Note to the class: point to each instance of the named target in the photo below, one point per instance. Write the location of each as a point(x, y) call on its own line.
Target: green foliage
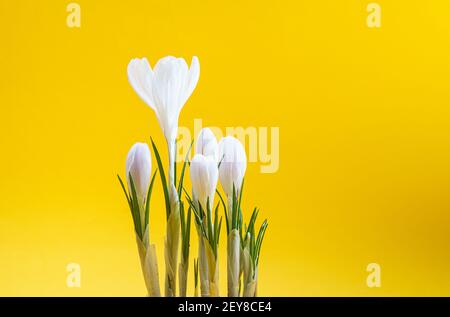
point(185, 230)
point(140, 225)
point(210, 228)
point(224, 205)
point(185, 219)
point(196, 273)
point(163, 179)
point(147, 201)
point(183, 169)
point(251, 239)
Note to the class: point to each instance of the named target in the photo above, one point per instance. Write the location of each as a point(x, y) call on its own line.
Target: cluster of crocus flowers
point(165, 89)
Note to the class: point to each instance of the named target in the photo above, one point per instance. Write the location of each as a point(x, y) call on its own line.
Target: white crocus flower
point(165, 89)
point(204, 176)
point(233, 163)
point(207, 144)
point(207, 150)
point(139, 166)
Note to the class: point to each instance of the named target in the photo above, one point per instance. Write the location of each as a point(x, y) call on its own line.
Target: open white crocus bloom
point(139, 166)
point(207, 144)
point(165, 89)
point(204, 176)
point(233, 163)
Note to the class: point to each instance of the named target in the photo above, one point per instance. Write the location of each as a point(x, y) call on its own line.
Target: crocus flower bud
point(207, 144)
point(204, 176)
point(139, 166)
point(233, 163)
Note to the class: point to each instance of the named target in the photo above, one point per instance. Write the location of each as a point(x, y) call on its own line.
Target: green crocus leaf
point(163, 179)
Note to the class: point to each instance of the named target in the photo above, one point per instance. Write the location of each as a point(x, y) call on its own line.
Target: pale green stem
point(149, 264)
point(203, 266)
point(233, 256)
point(173, 227)
point(171, 144)
point(183, 272)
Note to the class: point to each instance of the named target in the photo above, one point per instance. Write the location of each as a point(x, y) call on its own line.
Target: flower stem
point(250, 274)
point(149, 264)
point(171, 144)
point(203, 266)
point(183, 272)
point(173, 227)
point(233, 264)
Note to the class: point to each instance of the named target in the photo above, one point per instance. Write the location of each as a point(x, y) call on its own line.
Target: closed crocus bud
point(233, 163)
point(204, 176)
point(207, 144)
point(139, 166)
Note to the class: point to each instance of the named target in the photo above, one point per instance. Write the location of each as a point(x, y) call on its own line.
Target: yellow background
point(364, 138)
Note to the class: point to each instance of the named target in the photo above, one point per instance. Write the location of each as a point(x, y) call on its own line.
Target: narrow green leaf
point(147, 202)
point(233, 208)
point(188, 232)
point(220, 162)
point(136, 210)
point(240, 194)
point(251, 223)
point(196, 272)
point(240, 227)
point(190, 202)
point(252, 242)
point(186, 160)
point(187, 194)
point(216, 222)
point(163, 179)
point(130, 203)
point(225, 211)
point(261, 234)
point(197, 214)
point(182, 221)
point(124, 190)
point(209, 220)
point(202, 221)
point(175, 165)
point(218, 231)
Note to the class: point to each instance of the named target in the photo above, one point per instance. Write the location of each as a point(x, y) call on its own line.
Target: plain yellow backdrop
point(364, 118)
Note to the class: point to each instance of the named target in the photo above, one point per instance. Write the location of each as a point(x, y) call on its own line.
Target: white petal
point(140, 76)
point(166, 88)
point(233, 164)
point(207, 144)
point(139, 166)
point(204, 176)
point(192, 78)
